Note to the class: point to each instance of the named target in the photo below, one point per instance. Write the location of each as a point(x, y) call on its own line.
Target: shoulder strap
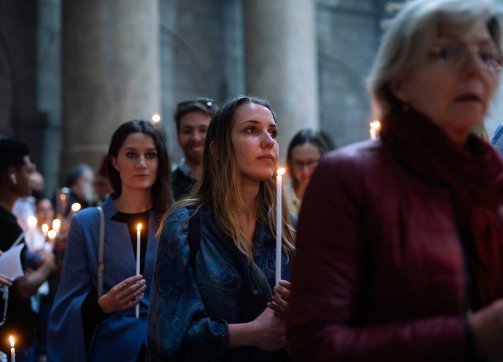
point(194, 237)
point(101, 247)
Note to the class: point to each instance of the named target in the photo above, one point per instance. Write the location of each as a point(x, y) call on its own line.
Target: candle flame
point(45, 228)
point(375, 124)
point(138, 226)
point(156, 118)
point(56, 224)
point(76, 207)
point(51, 234)
point(32, 221)
point(11, 340)
point(281, 171)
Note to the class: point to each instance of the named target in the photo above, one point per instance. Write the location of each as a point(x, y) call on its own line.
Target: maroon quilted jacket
point(379, 272)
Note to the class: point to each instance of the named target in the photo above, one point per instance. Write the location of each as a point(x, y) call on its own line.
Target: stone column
point(280, 53)
point(111, 72)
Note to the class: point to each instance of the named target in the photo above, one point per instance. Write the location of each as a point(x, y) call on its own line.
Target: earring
point(13, 178)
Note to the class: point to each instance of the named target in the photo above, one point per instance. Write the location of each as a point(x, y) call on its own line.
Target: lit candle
point(56, 225)
point(12, 349)
point(62, 201)
point(75, 207)
point(138, 256)
point(156, 118)
point(279, 221)
point(45, 229)
point(32, 224)
point(51, 234)
point(374, 129)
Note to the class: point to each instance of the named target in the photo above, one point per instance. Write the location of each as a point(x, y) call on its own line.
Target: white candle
point(374, 129)
point(56, 225)
point(45, 229)
point(12, 349)
point(30, 237)
point(279, 221)
point(138, 257)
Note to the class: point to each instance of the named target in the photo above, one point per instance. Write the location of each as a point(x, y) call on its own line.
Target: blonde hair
point(219, 186)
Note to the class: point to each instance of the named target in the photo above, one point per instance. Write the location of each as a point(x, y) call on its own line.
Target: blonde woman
point(215, 267)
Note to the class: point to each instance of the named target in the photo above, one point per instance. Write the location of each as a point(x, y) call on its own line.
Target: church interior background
point(72, 71)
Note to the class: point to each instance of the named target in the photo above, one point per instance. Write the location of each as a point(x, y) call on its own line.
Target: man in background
point(192, 119)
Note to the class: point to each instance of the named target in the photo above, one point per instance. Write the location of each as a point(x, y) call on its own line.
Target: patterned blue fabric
point(190, 309)
point(497, 139)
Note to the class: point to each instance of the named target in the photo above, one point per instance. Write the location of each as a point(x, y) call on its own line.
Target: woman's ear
point(398, 89)
point(113, 159)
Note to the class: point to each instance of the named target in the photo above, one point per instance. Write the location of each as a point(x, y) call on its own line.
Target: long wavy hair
point(161, 189)
point(219, 186)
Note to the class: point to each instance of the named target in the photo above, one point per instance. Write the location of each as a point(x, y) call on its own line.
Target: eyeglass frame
point(300, 165)
point(460, 59)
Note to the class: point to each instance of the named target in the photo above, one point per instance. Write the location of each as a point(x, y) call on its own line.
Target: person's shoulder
point(355, 155)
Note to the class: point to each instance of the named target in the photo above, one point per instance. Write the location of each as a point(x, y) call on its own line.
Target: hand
point(270, 331)
point(48, 260)
point(60, 242)
point(124, 295)
point(487, 328)
point(5, 281)
point(279, 301)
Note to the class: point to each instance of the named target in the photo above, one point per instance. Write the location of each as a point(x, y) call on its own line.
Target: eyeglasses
point(207, 103)
point(456, 55)
point(299, 165)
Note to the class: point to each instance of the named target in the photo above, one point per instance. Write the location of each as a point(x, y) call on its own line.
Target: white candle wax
point(279, 221)
point(138, 257)
point(12, 350)
point(374, 129)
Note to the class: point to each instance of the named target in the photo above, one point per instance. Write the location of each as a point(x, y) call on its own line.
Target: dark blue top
point(190, 307)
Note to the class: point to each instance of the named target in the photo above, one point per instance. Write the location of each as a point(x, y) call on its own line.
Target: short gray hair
point(411, 32)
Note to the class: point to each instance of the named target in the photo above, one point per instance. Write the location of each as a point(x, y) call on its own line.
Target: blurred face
point(192, 134)
point(102, 187)
point(304, 160)
point(22, 174)
point(254, 141)
point(137, 162)
point(44, 212)
point(454, 81)
point(84, 187)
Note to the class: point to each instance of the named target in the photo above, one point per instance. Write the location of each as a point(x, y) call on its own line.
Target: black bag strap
point(194, 237)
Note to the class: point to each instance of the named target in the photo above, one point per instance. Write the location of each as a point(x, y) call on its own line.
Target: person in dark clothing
point(19, 319)
point(192, 118)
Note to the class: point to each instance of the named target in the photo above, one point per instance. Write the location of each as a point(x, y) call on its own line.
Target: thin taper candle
point(12, 349)
point(279, 221)
point(138, 257)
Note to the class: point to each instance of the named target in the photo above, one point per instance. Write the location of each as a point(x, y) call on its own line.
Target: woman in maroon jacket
point(400, 240)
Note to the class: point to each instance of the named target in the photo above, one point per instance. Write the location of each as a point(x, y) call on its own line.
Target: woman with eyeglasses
point(400, 240)
point(303, 154)
point(215, 269)
point(104, 318)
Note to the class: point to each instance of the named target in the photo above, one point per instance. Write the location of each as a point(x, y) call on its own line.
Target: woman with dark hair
point(304, 152)
point(215, 269)
point(85, 325)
